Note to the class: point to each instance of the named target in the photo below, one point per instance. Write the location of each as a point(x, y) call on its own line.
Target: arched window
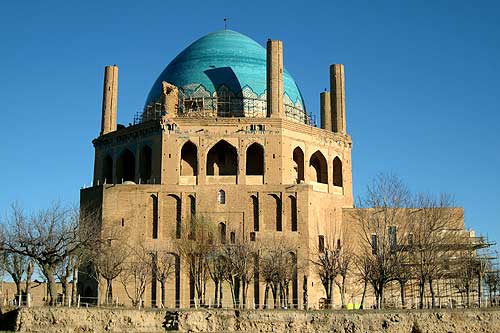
point(192, 206)
point(298, 164)
point(292, 202)
point(189, 159)
point(222, 232)
point(255, 160)
point(107, 170)
point(232, 237)
point(277, 212)
point(221, 197)
point(222, 160)
point(255, 211)
point(154, 201)
point(172, 203)
point(319, 166)
point(125, 167)
point(145, 164)
point(337, 172)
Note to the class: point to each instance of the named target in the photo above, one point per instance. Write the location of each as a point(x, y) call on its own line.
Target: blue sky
point(422, 85)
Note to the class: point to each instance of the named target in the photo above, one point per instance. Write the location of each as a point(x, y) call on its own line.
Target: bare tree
point(382, 212)
point(239, 258)
point(344, 263)
point(492, 279)
point(277, 269)
point(108, 260)
point(433, 225)
point(327, 267)
point(163, 268)
point(136, 272)
point(217, 267)
point(48, 236)
point(15, 265)
point(195, 247)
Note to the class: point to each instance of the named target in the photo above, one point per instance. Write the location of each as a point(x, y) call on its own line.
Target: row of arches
point(275, 216)
point(318, 166)
point(126, 164)
point(222, 160)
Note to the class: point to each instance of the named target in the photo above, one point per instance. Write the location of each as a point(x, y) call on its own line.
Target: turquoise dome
point(223, 58)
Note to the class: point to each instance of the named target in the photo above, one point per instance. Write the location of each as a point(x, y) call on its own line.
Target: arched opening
point(154, 201)
point(222, 160)
point(189, 159)
point(298, 164)
point(192, 206)
point(255, 212)
point(107, 170)
point(232, 237)
point(277, 212)
point(221, 197)
point(292, 202)
point(222, 233)
point(319, 165)
point(172, 203)
point(337, 172)
point(145, 164)
point(255, 160)
point(125, 167)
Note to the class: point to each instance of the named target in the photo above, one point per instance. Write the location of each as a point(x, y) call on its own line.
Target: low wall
point(45, 319)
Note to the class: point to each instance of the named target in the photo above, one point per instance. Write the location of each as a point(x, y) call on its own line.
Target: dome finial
point(225, 22)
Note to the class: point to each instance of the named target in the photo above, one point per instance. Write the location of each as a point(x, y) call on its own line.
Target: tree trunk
point(381, 295)
point(342, 292)
point(163, 293)
point(402, 285)
point(220, 294)
point(274, 291)
point(243, 295)
point(421, 289)
point(266, 296)
point(237, 291)
point(365, 285)
point(329, 295)
point(216, 298)
point(52, 287)
point(433, 295)
point(18, 290)
point(66, 292)
point(109, 291)
point(74, 285)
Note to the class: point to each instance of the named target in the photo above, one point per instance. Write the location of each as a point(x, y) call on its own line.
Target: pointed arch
point(155, 215)
point(189, 159)
point(318, 164)
point(292, 203)
point(222, 160)
point(276, 211)
point(255, 160)
point(125, 166)
point(337, 172)
point(222, 233)
point(254, 204)
point(221, 197)
point(107, 170)
point(145, 164)
point(298, 164)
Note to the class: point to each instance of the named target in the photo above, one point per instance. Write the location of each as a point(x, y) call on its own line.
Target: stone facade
point(262, 177)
